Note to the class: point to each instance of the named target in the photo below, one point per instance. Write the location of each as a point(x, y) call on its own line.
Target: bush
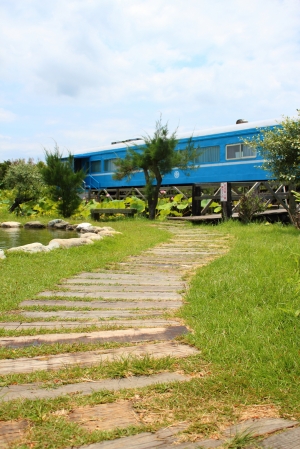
point(250, 204)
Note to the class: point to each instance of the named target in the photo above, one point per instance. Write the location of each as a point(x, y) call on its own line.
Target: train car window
point(208, 154)
point(239, 151)
point(95, 166)
point(248, 151)
point(109, 165)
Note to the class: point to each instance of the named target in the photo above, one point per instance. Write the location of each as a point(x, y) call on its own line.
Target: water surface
point(11, 237)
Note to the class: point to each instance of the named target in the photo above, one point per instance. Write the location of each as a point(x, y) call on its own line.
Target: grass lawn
point(23, 275)
point(243, 312)
point(244, 309)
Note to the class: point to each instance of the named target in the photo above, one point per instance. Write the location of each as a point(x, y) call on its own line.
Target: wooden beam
point(254, 187)
point(215, 196)
point(267, 186)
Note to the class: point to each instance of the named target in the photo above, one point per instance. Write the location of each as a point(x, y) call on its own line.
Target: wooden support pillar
point(196, 202)
point(225, 197)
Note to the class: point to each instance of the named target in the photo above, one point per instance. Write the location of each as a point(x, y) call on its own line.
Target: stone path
point(130, 303)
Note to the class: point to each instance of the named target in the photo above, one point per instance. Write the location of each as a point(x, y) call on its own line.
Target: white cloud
point(7, 116)
point(77, 68)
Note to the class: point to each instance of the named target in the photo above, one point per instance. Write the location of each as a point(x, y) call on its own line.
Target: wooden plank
point(90, 358)
point(36, 390)
point(120, 276)
point(258, 427)
point(124, 282)
point(73, 324)
point(11, 432)
point(123, 288)
point(163, 439)
point(104, 304)
point(122, 336)
point(93, 314)
point(113, 295)
point(105, 416)
point(275, 195)
point(287, 440)
point(95, 213)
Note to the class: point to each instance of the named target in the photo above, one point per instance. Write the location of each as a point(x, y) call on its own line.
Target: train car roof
point(200, 133)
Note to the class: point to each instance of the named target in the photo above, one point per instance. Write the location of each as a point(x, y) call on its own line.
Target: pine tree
point(63, 182)
point(157, 157)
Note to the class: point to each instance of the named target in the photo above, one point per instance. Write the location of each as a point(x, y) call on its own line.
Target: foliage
point(64, 183)
point(3, 169)
point(157, 157)
point(250, 204)
point(296, 215)
point(280, 148)
point(176, 206)
point(25, 181)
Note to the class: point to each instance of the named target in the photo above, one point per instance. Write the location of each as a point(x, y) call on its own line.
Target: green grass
point(119, 368)
point(242, 309)
point(24, 275)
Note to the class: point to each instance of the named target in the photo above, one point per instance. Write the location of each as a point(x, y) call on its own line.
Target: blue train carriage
point(224, 158)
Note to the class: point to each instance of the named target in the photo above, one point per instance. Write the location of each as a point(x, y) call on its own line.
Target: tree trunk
point(152, 192)
point(292, 201)
point(17, 203)
point(152, 209)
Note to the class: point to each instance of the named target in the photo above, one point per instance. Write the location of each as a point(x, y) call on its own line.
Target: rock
point(61, 225)
point(71, 227)
point(2, 255)
point(88, 229)
point(34, 225)
point(108, 230)
point(53, 222)
point(11, 224)
point(69, 243)
point(92, 236)
point(30, 248)
point(83, 226)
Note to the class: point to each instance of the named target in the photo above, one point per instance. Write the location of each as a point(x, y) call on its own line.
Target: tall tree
point(280, 149)
point(3, 169)
point(157, 157)
point(26, 181)
point(63, 182)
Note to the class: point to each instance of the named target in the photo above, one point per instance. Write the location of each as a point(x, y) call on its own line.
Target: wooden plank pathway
point(90, 358)
point(137, 297)
point(127, 335)
point(37, 390)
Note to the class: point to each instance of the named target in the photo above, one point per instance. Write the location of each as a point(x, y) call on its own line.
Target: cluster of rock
point(88, 234)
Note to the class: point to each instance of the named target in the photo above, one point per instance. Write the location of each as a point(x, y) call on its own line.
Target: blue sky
point(86, 73)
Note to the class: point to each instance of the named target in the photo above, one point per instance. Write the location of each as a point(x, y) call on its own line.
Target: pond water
point(11, 237)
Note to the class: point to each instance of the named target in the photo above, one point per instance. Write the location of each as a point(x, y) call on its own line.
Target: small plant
point(241, 441)
point(296, 216)
point(250, 204)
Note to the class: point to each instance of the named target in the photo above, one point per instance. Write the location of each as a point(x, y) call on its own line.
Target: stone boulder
point(89, 229)
point(61, 225)
point(30, 248)
point(71, 227)
point(92, 236)
point(11, 224)
point(68, 243)
point(2, 255)
point(53, 222)
point(34, 225)
point(84, 227)
point(107, 231)
point(104, 231)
